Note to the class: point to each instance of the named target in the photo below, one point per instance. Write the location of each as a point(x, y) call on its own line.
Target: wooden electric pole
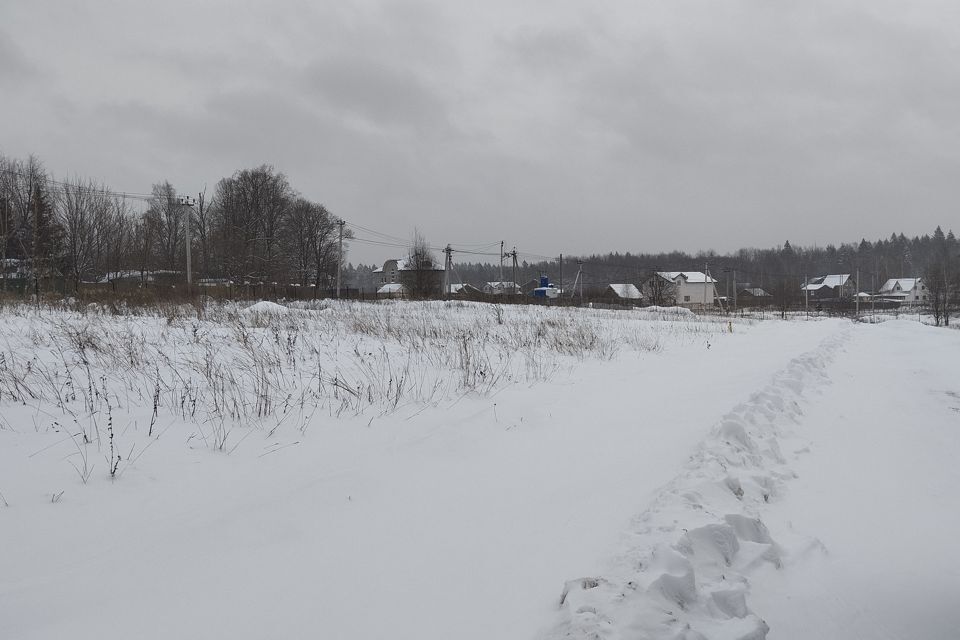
point(340, 224)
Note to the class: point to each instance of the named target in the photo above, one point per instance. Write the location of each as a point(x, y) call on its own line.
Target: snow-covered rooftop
point(690, 276)
point(905, 284)
point(626, 291)
point(837, 280)
point(403, 264)
point(394, 287)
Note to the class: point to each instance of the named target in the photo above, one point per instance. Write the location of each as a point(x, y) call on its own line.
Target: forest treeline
point(254, 226)
point(780, 271)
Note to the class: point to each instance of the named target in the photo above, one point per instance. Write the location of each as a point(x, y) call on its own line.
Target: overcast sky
point(558, 126)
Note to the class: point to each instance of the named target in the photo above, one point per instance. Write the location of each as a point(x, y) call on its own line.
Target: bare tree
point(6, 214)
point(201, 231)
point(935, 279)
point(83, 211)
point(165, 216)
point(658, 290)
point(310, 233)
point(117, 238)
point(421, 277)
point(143, 231)
point(33, 234)
point(786, 294)
point(251, 207)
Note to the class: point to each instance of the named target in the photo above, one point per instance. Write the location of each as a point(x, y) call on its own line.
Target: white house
point(427, 281)
point(691, 288)
point(389, 273)
point(904, 290)
point(501, 288)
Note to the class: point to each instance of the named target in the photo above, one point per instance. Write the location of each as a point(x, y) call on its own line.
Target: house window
point(686, 298)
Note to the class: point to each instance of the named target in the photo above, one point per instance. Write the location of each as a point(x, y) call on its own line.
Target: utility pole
point(716, 294)
point(515, 287)
point(36, 242)
point(3, 249)
point(187, 202)
point(561, 273)
point(340, 224)
point(447, 266)
point(806, 295)
point(706, 278)
point(203, 234)
point(734, 290)
point(501, 263)
point(580, 279)
point(857, 296)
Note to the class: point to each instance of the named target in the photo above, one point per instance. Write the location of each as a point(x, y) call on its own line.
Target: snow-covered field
point(450, 470)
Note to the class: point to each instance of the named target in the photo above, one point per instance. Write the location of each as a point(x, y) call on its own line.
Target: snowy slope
point(877, 491)
point(823, 507)
point(466, 515)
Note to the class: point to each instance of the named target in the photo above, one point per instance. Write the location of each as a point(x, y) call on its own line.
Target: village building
point(903, 290)
point(831, 287)
point(622, 292)
point(426, 281)
point(501, 288)
point(690, 288)
point(754, 297)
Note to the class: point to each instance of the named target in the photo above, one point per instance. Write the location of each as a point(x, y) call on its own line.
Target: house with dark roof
point(622, 292)
point(832, 287)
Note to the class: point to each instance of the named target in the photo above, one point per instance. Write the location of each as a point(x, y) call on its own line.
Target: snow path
point(879, 490)
point(463, 520)
point(686, 571)
point(823, 507)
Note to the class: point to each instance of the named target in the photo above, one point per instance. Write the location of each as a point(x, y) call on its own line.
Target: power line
point(63, 187)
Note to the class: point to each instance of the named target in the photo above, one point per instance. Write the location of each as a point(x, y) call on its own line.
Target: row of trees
point(779, 272)
point(896, 257)
point(255, 227)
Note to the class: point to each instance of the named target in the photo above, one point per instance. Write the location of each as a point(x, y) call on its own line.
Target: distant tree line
point(780, 271)
point(254, 227)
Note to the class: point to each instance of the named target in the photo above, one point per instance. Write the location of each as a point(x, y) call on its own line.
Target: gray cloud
point(690, 124)
point(15, 68)
point(376, 91)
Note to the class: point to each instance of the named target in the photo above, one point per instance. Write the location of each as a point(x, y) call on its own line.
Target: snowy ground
point(438, 471)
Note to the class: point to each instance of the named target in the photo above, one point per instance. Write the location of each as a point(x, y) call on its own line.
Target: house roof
point(401, 265)
point(502, 285)
point(815, 284)
point(463, 289)
point(404, 265)
point(394, 287)
point(626, 291)
point(693, 277)
point(756, 292)
point(906, 285)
